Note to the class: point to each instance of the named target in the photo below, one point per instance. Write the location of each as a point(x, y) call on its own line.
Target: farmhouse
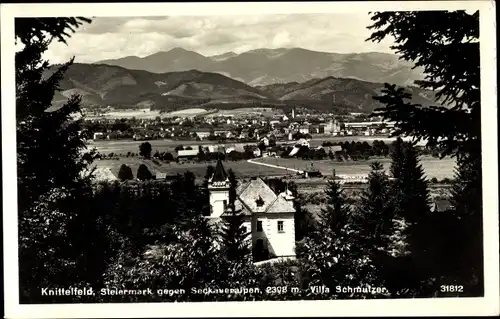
point(268, 217)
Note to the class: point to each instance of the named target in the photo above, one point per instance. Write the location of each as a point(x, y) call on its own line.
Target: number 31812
point(452, 288)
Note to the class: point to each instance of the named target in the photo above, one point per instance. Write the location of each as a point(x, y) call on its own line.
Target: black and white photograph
point(236, 158)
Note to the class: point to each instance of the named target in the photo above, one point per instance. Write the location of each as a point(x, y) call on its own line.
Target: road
point(276, 166)
point(362, 178)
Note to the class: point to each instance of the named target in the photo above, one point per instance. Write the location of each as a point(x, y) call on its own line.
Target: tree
point(375, 213)
point(332, 255)
point(190, 260)
point(143, 173)
point(125, 173)
point(234, 235)
point(375, 222)
point(168, 156)
point(337, 211)
point(51, 200)
point(145, 149)
point(410, 200)
point(397, 154)
point(466, 199)
point(447, 47)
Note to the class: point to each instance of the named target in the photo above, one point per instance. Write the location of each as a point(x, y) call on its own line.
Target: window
point(245, 230)
point(259, 226)
point(259, 202)
point(280, 226)
point(225, 204)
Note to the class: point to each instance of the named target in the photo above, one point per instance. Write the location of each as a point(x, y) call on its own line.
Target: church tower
point(218, 188)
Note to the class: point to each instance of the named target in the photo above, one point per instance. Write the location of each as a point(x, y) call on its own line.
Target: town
point(241, 127)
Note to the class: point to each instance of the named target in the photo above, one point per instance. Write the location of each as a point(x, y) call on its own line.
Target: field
point(124, 146)
point(186, 112)
point(433, 167)
point(242, 169)
point(249, 111)
point(138, 114)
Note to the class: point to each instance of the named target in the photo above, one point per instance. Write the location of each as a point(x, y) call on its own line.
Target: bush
point(143, 173)
point(125, 173)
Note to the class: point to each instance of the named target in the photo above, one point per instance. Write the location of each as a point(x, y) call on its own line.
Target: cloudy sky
point(108, 38)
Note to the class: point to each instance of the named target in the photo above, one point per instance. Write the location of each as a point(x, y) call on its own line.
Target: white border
point(489, 305)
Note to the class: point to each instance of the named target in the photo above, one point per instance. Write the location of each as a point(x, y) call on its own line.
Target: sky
point(116, 37)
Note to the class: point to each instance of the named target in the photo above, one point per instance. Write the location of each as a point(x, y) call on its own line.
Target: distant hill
point(351, 94)
point(103, 85)
point(284, 65)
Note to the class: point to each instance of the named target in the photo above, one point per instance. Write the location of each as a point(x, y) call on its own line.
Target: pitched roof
point(257, 191)
point(281, 205)
point(238, 205)
point(219, 174)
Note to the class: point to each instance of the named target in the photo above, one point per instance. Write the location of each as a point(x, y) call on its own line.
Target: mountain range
point(102, 85)
point(283, 65)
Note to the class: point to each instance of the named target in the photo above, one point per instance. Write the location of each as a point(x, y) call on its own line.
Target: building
point(303, 142)
point(265, 140)
point(222, 131)
point(187, 153)
point(365, 125)
point(304, 129)
point(99, 136)
point(268, 217)
point(160, 175)
point(257, 152)
point(245, 133)
point(203, 132)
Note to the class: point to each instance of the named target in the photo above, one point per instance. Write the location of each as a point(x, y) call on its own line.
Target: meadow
point(433, 167)
point(242, 169)
point(124, 146)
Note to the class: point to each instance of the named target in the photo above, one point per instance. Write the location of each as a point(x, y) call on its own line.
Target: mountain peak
point(262, 66)
point(178, 49)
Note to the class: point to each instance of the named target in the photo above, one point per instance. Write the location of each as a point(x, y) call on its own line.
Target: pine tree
point(446, 46)
point(374, 212)
point(332, 255)
point(375, 224)
point(234, 235)
point(54, 179)
point(466, 199)
point(336, 214)
point(411, 203)
point(397, 149)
